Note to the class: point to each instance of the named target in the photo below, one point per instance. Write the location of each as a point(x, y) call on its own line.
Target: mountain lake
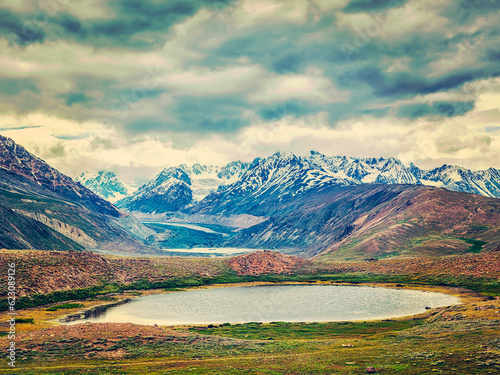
point(270, 303)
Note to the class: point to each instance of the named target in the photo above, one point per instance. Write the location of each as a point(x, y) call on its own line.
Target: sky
point(133, 86)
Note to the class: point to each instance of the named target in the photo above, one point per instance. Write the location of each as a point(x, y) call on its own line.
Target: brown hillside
point(41, 272)
point(485, 265)
point(434, 222)
point(267, 262)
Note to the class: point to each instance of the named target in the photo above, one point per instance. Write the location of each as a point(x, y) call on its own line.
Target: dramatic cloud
point(134, 85)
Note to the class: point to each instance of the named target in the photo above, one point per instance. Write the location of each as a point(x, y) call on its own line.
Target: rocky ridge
point(16, 159)
point(242, 187)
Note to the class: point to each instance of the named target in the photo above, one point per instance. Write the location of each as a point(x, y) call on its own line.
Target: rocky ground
point(268, 262)
point(104, 340)
point(47, 271)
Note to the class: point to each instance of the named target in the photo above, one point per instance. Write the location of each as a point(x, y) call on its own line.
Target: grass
point(306, 331)
point(65, 306)
point(476, 245)
point(408, 346)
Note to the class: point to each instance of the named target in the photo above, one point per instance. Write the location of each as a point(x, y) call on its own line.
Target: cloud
point(203, 81)
point(140, 25)
point(13, 87)
point(446, 109)
point(255, 12)
point(17, 30)
point(216, 81)
point(395, 19)
point(311, 86)
point(74, 97)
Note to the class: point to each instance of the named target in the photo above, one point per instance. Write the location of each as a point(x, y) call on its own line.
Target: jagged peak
point(284, 154)
point(452, 167)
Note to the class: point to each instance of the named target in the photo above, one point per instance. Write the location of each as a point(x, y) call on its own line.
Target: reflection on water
point(94, 312)
point(268, 303)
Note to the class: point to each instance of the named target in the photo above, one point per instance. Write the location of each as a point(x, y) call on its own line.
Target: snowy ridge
point(206, 179)
point(369, 170)
point(393, 171)
point(453, 177)
point(242, 188)
point(179, 187)
point(282, 176)
point(106, 185)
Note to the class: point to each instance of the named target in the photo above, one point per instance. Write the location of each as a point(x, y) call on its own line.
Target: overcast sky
point(133, 86)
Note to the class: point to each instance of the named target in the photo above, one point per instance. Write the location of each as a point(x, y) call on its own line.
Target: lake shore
point(108, 346)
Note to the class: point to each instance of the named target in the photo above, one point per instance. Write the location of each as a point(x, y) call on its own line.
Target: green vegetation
point(25, 320)
point(306, 331)
point(61, 296)
point(476, 245)
point(65, 306)
point(436, 343)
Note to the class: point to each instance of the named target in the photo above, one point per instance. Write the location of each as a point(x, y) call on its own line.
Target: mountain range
point(192, 188)
point(282, 176)
point(324, 205)
point(316, 206)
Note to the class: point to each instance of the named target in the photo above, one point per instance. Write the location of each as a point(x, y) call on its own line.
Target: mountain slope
point(21, 232)
point(376, 220)
point(168, 191)
point(44, 209)
point(433, 222)
point(15, 158)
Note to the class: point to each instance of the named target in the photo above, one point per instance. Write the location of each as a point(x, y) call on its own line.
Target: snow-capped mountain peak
point(284, 175)
point(105, 184)
point(179, 187)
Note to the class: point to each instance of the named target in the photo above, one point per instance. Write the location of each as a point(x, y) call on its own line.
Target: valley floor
point(461, 339)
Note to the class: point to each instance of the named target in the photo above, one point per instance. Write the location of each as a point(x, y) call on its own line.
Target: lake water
point(209, 251)
point(268, 303)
